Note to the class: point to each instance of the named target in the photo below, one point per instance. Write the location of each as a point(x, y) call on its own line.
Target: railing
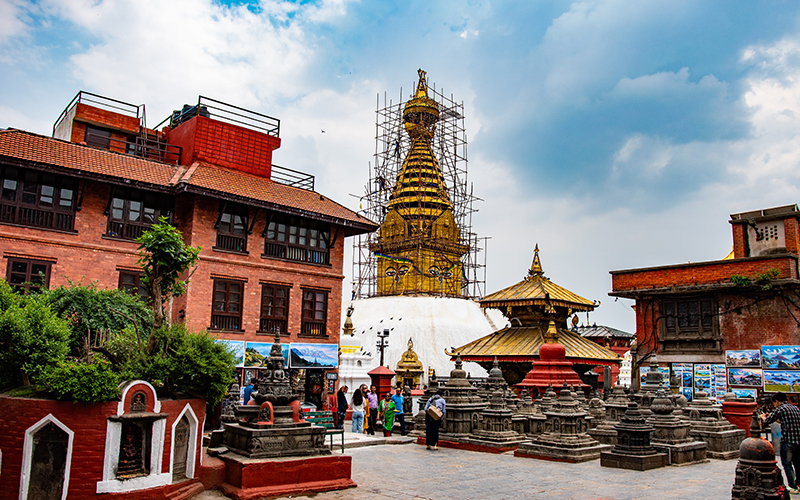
point(34, 217)
point(313, 329)
point(225, 112)
point(269, 325)
point(220, 322)
point(298, 254)
point(232, 243)
point(291, 177)
point(149, 148)
point(101, 102)
point(124, 230)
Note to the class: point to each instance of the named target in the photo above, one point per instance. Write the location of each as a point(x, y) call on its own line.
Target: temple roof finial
point(422, 85)
point(536, 266)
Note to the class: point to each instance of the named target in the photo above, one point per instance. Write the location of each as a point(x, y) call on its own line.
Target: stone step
point(186, 490)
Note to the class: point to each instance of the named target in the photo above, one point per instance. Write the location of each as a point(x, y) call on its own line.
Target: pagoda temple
point(538, 310)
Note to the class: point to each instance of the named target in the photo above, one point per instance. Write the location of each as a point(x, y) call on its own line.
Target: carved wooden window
point(688, 316)
point(315, 313)
point(232, 227)
point(226, 309)
point(37, 199)
point(131, 212)
point(298, 239)
point(274, 309)
point(28, 275)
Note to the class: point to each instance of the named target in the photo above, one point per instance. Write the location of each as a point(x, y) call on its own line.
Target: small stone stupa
point(708, 424)
point(757, 473)
point(602, 429)
point(633, 449)
point(463, 405)
point(671, 434)
point(565, 438)
point(495, 429)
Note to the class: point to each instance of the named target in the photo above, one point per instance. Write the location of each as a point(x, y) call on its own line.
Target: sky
point(613, 134)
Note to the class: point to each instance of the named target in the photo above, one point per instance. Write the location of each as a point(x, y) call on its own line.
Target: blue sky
point(614, 134)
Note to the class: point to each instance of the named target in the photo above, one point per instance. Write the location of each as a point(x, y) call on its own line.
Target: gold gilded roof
point(536, 289)
point(522, 343)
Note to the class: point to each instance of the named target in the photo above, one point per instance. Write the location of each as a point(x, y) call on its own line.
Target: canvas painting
point(236, 347)
point(688, 392)
point(781, 381)
point(780, 356)
point(256, 353)
point(314, 355)
point(744, 393)
point(751, 377)
point(702, 377)
point(749, 357)
point(644, 370)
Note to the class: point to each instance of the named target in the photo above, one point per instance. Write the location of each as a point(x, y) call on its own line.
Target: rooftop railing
point(224, 112)
point(98, 101)
point(293, 178)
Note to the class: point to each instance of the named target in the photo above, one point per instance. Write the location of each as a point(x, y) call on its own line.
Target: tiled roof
point(210, 177)
point(523, 343)
point(602, 331)
point(27, 146)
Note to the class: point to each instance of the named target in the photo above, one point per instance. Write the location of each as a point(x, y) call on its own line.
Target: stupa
point(633, 449)
point(671, 434)
point(564, 438)
point(353, 362)
point(409, 369)
point(601, 428)
point(495, 429)
point(708, 424)
point(757, 473)
point(463, 405)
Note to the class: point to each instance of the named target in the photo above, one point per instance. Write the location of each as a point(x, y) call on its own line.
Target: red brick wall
point(701, 273)
point(212, 141)
point(739, 241)
point(88, 422)
point(101, 117)
point(791, 228)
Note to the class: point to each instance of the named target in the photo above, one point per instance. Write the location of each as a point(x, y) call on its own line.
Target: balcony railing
point(25, 216)
point(291, 177)
point(122, 230)
point(313, 329)
point(298, 254)
point(231, 243)
point(269, 325)
point(224, 322)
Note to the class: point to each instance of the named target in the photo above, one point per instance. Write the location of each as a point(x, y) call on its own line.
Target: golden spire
point(536, 266)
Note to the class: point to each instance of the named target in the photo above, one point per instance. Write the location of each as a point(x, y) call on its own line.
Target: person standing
point(387, 414)
point(372, 403)
point(398, 401)
point(248, 389)
point(357, 403)
point(789, 415)
point(431, 424)
point(341, 406)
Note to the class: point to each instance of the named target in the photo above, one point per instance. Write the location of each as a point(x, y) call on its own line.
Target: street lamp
point(382, 343)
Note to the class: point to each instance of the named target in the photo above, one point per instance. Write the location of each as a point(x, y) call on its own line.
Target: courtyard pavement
point(410, 471)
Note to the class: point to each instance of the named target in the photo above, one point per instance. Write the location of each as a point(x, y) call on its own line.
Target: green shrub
point(79, 381)
point(31, 337)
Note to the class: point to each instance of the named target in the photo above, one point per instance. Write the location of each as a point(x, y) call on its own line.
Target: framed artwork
point(644, 370)
point(748, 357)
point(236, 347)
point(781, 381)
point(780, 356)
point(314, 355)
point(748, 377)
point(256, 353)
point(744, 393)
point(702, 378)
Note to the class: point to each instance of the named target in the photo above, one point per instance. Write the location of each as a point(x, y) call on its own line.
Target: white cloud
point(12, 24)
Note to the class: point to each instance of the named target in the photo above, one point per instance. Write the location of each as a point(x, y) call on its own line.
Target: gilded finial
point(422, 85)
point(536, 266)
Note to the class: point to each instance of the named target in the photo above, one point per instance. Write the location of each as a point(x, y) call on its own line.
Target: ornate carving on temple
point(633, 449)
point(495, 427)
point(671, 434)
point(463, 404)
point(409, 369)
point(757, 473)
point(708, 424)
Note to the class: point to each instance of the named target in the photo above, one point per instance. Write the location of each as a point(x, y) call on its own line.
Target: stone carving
point(757, 473)
point(462, 401)
point(633, 449)
point(671, 434)
point(707, 424)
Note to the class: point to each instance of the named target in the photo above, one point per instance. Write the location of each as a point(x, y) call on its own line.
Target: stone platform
point(633, 462)
point(302, 439)
point(461, 445)
point(250, 478)
point(554, 454)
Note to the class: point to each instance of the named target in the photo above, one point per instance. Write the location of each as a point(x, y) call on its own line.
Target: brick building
point(694, 312)
point(272, 248)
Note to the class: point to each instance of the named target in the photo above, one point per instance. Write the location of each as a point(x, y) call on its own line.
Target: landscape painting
point(256, 353)
point(749, 357)
point(750, 377)
point(744, 393)
point(236, 347)
point(780, 356)
point(314, 355)
point(781, 381)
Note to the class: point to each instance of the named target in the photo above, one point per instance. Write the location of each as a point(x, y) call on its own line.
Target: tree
point(164, 258)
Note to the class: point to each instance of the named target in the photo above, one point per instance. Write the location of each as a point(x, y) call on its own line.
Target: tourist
point(248, 389)
point(372, 416)
point(387, 411)
point(357, 403)
point(398, 401)
point(364, 393)
point(431, 424)
point(341, 406)
point(789, 416)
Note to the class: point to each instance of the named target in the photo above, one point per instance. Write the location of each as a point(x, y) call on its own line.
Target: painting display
point(749, 357)
point(744, 393)
point(719, 382)
point(749, 377)
point(782, 381)
point(780, 356)
point(702, 377)
point(236, 347)
point(644, 370)
point(256, 353)
point(314, 355)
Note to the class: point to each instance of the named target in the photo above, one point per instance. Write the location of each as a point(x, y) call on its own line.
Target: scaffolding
point(392, 144)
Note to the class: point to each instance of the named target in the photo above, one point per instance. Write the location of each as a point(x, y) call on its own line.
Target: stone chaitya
point(708, 424)
point(633, 449)
point(564, 437)
point(463, 405)
point(671, 434)
point(419, 418)
point(272, 427)
point(654, 380)
point(757, 474)
point(494, 426)
point(532, 421)
point(602, 428)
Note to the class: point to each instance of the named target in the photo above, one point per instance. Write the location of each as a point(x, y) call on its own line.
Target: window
point(131, 212)
point(297, 238)
point(226, 309)
point(689, 326)
point(97, 137)
point(232, 227)
point(315, 308)
point(37, 199)
point(274, 309)
point(28, 275)
point(131, 282)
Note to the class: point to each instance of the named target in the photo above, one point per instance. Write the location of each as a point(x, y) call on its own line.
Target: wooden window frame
point(27, 284)
point(135, 288)
point(224, 319)
point(151, 206)
point(269, 317)
point(311, 323)
point(228, 239)
point(298, 239)
point(24, 194)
